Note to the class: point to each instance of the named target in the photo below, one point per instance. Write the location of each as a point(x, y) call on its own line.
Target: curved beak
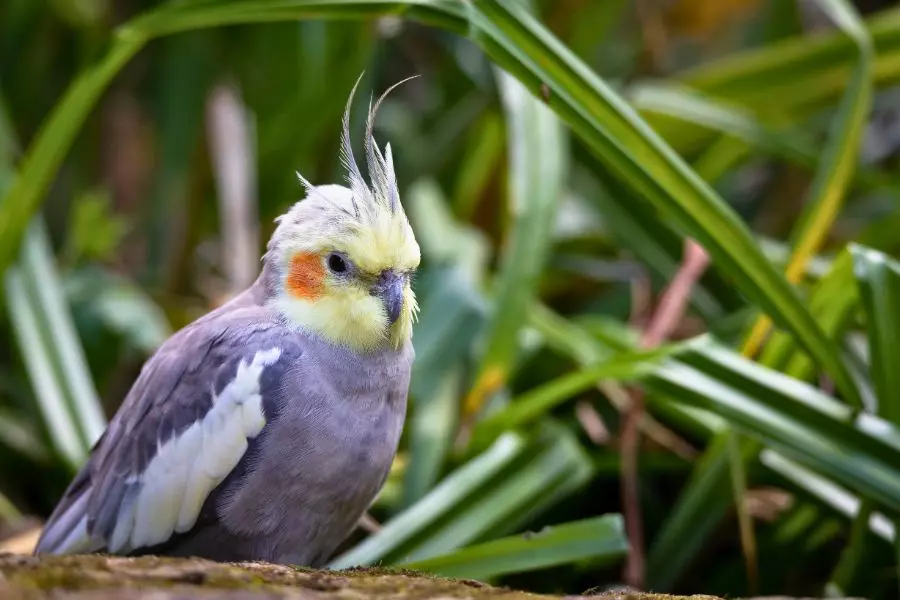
point(390, 287)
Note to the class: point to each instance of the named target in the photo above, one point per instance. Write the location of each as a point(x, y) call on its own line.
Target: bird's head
point(343, 257)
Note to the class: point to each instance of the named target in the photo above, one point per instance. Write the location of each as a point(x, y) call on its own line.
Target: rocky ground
point(23, 577)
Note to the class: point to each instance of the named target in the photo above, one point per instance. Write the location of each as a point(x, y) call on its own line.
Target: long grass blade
point(852, 555)
point(538, 155)
point(878, 278)
point(85, 408)
point(538, 402)
point(801, 70)
point(491, 495)
point(453, 489)
point(832, 179)
point(825, 492)
point(827, 193)
point(636, 226)
point(832, 301)
point(554, 466)
point(599, 540)
point(46, 153)
point(48, 389)
point(774, 139)
point(737, 470)
point(795, 419)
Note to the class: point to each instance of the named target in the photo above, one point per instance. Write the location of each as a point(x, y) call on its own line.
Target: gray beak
point(390, 288)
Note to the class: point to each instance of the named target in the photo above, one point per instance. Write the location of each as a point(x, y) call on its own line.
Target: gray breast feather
point(318, 465)
point(182, 429)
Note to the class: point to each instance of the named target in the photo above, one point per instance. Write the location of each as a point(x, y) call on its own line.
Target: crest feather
point(304, 182)
point(380, 166)
point(354, 177)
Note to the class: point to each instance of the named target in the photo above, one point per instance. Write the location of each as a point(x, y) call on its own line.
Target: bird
point(265, 429)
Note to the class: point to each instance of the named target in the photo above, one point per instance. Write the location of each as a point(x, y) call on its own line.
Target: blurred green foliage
point(553, 156)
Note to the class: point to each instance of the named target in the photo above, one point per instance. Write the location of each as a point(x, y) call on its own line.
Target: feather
point(393, 194)
point(306, 186)
point(354, 177)
point(374, 159)
point(381, 168)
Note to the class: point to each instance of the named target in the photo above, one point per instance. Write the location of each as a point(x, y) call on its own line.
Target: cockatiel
point(265, 429)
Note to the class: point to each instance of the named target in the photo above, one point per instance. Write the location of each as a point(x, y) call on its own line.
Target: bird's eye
point(337, 264)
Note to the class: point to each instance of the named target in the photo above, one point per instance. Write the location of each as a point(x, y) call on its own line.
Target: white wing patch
point(186, 468)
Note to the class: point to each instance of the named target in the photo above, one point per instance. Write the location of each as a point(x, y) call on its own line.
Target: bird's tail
point(65, 531)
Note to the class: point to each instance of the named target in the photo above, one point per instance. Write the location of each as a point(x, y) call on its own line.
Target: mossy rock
point(97, 577)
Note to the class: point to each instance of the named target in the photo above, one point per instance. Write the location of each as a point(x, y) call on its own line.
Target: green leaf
point(827, 193)
point(538, 402)
point(635, 225)
point(580, 343)
point(878, 277)
point(452, 490)
point(696, 514)
point(553, 467)
point(52, 142)
point(832, 301)
point(47, 339)
point(636, 155)
point(39, 266)
point(693, 107)
point(17, 432)
point(801, 70)
point(698, 511)
point(722, 156)
point(52, 352)
point(601, 539)
point(824, 491)
point(442, 239)
point(452, 315)
point(177, 16)
point(852, 555)
point(48, 388)
point(492, 494)
point(841, 154)
point(832, 178)
point(537, 149)
point(121, 305)
point(856, 450)
point(94, 231)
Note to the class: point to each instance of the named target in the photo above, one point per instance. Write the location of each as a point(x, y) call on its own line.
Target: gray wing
point(184, 426)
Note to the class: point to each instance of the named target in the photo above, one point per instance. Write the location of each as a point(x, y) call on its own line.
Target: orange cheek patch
point(307, 276)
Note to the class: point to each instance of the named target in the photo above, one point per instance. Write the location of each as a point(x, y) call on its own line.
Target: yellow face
point(354, 288)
